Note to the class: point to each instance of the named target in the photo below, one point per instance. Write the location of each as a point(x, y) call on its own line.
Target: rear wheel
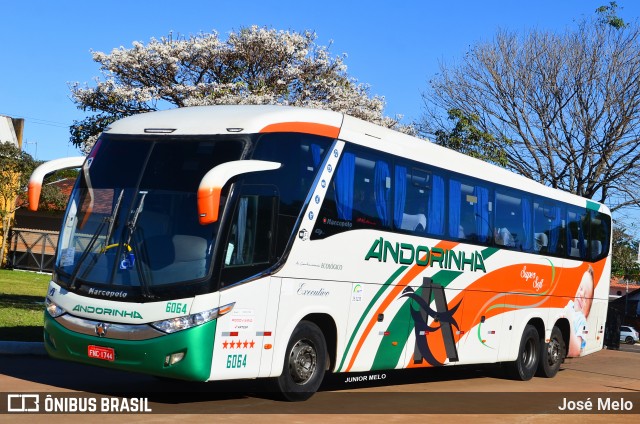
point(304, 363)
point(528, 355)
point(552, 354)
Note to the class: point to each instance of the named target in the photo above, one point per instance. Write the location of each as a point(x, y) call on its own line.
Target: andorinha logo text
point(107, 311)
point(408, 254)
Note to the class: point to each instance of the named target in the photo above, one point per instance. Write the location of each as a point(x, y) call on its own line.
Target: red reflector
point(386, 333)
point(233, 334)
point(267, 333)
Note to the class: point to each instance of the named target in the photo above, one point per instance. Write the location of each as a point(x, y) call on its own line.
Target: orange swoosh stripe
point(408, 277)
point(303, 127)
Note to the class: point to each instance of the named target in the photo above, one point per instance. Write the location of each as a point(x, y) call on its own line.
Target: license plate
point(103, 353)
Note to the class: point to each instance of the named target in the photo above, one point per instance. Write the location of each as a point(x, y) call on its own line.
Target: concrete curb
point(22, 348)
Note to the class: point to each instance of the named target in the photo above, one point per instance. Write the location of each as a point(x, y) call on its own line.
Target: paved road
point(478, 391)
point(630, 348)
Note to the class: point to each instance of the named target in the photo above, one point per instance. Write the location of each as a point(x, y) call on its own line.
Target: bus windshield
point(132, 220)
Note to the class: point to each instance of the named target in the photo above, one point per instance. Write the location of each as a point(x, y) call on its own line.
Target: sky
point(395, 47)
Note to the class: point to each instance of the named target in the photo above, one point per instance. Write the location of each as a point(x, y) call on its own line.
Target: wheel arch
point(327, 325)
point(538, 323)
point(565, 329)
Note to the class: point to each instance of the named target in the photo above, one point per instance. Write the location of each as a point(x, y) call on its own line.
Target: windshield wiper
point(111, 220)
point(92, 242)
point(145, 287)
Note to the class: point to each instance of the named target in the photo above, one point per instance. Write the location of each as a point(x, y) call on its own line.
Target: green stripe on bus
point(387, 355)
point(382, 289)
point(488, 252)
point(593, 206)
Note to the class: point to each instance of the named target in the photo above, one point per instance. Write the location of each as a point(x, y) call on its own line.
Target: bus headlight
point(54, 310)
point(182, 323)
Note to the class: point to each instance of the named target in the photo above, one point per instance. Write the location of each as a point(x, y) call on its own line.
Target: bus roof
point(251, 119)
point(243, 119)
point(393, 142)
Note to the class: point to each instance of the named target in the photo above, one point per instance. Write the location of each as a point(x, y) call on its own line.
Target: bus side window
point(600, 225)
point(549, 221)
point(541, 228)
point(411, 199)
point(576, 233)
point(514, 223)
point(250, 241)
point(469, 211)
point(358, 196)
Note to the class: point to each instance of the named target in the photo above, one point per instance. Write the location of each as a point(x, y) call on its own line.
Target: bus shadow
point(372, 379)
point(68, 376)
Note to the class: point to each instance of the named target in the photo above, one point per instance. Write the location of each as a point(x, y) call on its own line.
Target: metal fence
point(32, 249)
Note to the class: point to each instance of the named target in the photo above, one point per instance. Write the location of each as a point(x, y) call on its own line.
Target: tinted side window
point(600, 228)
point(249, 247)
point(301, 156)
point(542, 223)
point(411, 200)
point(548, 228)
point(358, 196)
point(469, 216)
point(513, 221)
point(577, 236)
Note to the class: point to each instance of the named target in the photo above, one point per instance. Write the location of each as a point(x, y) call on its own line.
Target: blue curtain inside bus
point(454, 208)
point(554, 232)
point(435, 220)
point(481, 209)
point(400, 195)
point(344, 186)
point(382, 175)
point(527, 224)
point(316, 155)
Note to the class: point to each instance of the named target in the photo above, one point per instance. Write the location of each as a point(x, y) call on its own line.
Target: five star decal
point(238, 344)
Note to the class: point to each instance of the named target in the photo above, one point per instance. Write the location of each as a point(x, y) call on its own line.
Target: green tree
point(608, 15)
point(15, 169)
point(624, 255)
point(467, 138)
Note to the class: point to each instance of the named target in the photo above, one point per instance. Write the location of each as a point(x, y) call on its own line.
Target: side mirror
point(214, 180)
point(35, 181)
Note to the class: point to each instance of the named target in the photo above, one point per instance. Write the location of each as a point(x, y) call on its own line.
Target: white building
point(8, 130)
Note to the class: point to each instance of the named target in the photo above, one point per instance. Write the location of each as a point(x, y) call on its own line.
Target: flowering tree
point(252, 66)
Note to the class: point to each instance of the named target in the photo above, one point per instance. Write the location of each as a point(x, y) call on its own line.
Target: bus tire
point(304, 363)
point(552, 354)
point(528, 355)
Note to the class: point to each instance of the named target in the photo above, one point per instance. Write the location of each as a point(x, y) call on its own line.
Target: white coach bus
point(241, 242)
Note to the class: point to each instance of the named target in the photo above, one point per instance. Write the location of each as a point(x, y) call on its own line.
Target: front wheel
point(528, 355)
point(630, 340)
point(552, 354)
point(304, 363)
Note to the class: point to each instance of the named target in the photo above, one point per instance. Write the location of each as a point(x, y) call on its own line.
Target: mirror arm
point(37, 177)
point(213, 181)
